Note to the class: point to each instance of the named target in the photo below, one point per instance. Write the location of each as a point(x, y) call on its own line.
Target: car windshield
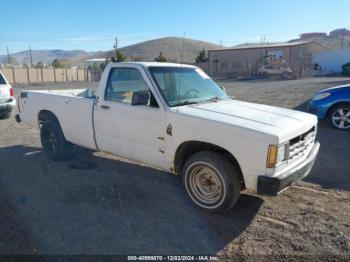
point(184, 86)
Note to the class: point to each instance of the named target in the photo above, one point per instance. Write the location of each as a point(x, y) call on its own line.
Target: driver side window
point(122, 83)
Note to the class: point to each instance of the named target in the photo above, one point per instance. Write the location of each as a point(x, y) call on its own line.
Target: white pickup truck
point(175, 118)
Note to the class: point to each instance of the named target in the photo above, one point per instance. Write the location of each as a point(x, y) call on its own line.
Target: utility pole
point(220, 43)
point(342, 40)
point(8, 55)
point(31, 57)
point(116, 46)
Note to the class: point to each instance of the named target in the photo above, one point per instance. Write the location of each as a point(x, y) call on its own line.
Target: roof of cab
point(156, 64)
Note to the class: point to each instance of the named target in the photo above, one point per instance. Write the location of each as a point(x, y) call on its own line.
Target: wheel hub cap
point(205, 184)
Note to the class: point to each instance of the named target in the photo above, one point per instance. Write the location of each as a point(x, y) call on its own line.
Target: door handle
point(105, 107)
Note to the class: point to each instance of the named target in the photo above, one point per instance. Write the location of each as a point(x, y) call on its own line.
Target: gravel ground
point(96, 204)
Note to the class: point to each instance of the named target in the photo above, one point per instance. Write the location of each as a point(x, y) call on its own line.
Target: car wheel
point(340, 117)
point(285, 76)
point(211, 181)
point(53, 142)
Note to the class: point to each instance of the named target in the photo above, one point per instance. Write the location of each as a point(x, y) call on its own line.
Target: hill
point(170, 47)
point(146, 51)
point(47, 56)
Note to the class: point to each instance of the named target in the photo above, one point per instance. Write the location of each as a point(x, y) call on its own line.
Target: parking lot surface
point(97, 204)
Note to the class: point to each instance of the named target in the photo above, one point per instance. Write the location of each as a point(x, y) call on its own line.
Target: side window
point(122, 83)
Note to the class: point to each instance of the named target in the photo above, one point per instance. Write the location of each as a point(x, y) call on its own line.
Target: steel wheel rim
point(341, 118)
point(205, 184)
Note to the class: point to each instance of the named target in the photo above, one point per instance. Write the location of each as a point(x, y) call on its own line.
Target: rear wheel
point(52, 139)
point(211, 181)
point(340, 117)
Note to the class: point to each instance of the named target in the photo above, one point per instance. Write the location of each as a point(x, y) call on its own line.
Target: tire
point(285, 75)
point(53, 142)
point(211, 181)
point(340, 116)
point(5, 115)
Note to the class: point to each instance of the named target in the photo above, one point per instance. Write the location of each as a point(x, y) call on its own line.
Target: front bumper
point(274, 185)
point(318, 108)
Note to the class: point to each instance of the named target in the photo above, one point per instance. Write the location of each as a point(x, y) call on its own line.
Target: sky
point(92, 25)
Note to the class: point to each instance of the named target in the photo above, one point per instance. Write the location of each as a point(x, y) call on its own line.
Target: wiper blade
point(185, 103)
point(214, 99)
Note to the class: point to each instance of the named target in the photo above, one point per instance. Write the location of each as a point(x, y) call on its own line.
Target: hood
point(336, 88)
point(280, 122)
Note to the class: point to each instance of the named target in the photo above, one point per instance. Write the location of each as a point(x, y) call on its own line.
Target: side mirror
point(140, 98)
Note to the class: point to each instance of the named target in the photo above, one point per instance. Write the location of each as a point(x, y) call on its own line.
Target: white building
point(331, 61)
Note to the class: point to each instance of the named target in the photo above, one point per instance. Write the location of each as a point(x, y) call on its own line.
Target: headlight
point(321, 96)
point(276, 155)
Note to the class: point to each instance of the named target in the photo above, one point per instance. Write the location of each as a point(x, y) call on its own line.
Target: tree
point(161, 58)
point(120, 57)
point(201, 58)
point(59, 63)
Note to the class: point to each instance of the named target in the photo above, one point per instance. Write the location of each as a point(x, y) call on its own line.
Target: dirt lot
point(95, 204)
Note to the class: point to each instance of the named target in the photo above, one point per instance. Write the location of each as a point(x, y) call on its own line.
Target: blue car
point(333, 104)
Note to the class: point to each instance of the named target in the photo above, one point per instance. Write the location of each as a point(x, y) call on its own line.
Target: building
point(331, 61)
point(314, 35)
point(247, 61)
point(338, 33)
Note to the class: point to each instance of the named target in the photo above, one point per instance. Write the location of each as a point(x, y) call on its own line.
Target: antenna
point(182, 58)
point(182, 48)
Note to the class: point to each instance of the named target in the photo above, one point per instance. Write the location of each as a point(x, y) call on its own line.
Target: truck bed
point(72, 107)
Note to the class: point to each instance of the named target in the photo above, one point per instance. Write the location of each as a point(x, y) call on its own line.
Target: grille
point(302, 143)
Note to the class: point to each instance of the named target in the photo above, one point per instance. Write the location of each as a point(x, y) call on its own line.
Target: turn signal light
point(272, 156)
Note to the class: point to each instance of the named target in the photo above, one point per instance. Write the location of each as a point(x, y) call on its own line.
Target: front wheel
point(211, 181)
point(340, 117)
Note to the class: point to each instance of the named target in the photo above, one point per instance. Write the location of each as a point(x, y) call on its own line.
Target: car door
point(131, 131)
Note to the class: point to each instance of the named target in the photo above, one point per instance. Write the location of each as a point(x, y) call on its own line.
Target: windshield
point(183, 86)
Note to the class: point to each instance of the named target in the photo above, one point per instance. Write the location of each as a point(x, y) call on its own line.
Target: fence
point(43, 75)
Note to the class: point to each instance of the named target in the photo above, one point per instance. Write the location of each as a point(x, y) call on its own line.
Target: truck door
point(130, 131)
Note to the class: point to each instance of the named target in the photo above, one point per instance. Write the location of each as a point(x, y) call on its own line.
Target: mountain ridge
point(171, 47)
point(175, 49)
